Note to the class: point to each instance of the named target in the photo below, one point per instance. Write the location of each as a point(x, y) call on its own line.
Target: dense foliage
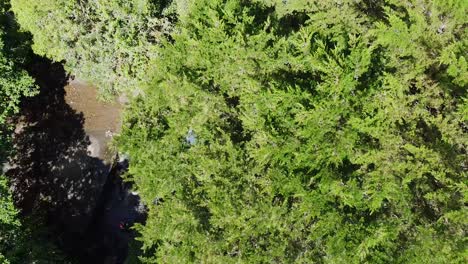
point(269, 131)
point(106, 42)
point(8, 219)
point(14, 81)
point(20, 241)
point(23, 241)
point(305, 131)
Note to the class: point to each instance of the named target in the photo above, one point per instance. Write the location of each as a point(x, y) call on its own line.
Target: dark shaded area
point(116, 211)
point(53, 175)
point(52, 168)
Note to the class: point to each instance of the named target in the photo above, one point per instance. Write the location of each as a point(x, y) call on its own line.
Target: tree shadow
point(82, 198)
point(51, 171)
point(52, 174)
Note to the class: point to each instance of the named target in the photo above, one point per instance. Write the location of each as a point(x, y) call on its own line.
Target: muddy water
point(62, 169)
point(116, 204)
point(102, 120)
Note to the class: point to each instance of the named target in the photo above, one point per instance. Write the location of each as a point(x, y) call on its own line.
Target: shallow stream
point(64, 170)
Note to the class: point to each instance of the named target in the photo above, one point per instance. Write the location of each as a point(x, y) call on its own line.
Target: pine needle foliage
point(305, 132)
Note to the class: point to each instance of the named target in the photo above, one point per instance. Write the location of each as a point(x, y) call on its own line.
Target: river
point(64, 170)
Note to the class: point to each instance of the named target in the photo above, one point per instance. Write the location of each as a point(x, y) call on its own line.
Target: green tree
point(21, 241)
point(9, 223)
point(105, 42)
point(305, 131)
point(14, 81)
point(14, 84)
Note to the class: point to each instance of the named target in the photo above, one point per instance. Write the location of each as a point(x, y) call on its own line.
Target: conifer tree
point(305, 132)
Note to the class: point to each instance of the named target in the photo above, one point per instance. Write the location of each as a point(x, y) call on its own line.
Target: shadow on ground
point(52, 168)
point(53, 175)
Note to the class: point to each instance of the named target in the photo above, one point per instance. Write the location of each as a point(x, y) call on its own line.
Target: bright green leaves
point(9, 223)
point(14, 84)
point(108, 43)
point(326, 131)
point(458, 67)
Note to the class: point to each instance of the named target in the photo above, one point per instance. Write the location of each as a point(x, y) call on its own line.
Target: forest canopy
point(305, 131)
point(268, 131)
point(106, 42)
